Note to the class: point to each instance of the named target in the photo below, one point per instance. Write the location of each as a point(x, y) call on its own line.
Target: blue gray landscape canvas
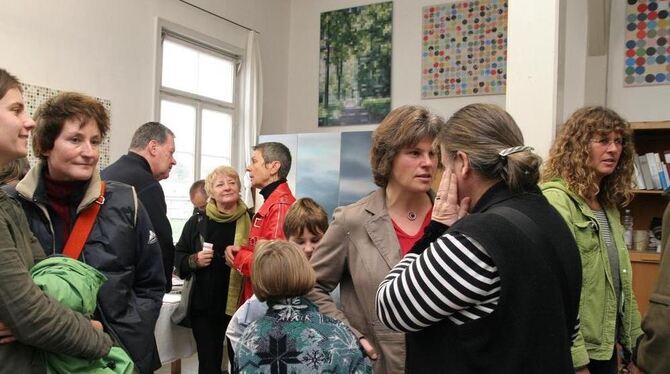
point(331, 168)
point(355, 172)
point(318, 169)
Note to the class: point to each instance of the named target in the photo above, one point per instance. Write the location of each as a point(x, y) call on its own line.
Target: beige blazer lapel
point(380, 229)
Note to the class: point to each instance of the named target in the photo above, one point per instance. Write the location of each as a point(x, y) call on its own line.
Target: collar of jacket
point(376, 201)
point(140, 160)
point(584, 208)
point(494, 195)
point(270, 188)
point(27, 187)
point(279, 195)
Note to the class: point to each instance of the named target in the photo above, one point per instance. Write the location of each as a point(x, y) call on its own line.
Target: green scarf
point(242, 226)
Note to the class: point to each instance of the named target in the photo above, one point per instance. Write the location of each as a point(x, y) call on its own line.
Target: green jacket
point(75, 285)
point(598, 303)
point(38, 321)
point(652, 353)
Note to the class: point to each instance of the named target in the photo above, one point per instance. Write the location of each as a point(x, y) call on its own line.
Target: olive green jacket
point(598, 303)
point(39, 322)
point(652, 355)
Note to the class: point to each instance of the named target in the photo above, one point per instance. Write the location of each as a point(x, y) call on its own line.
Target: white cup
point(207, 247)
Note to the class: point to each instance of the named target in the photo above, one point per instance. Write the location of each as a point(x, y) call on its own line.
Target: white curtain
point(251, 109)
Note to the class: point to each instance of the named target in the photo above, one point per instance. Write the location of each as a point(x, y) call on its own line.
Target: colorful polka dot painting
point(34, 96)
point(464, 49)
point(647, 48)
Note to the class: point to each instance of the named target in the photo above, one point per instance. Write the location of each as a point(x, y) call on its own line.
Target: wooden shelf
point(650, 192)
point(645, 256)
point(650, 125)
point(649, 136)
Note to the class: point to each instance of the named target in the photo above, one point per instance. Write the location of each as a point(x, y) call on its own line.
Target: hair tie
point(519, 148)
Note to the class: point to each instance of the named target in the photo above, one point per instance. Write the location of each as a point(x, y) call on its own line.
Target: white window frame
point(207, 44)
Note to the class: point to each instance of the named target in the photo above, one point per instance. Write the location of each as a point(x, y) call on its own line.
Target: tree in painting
point(355, 68)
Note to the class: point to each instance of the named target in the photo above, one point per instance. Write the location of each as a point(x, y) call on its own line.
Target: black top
point(134, 170)
point(530, 329)
point(270, 188)
point(210, 291)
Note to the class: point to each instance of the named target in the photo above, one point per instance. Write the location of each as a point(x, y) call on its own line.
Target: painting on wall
point(331, 168)
point(34, 96)
point(647, 49)
point(355, 65)
point(355, 172)
point(318, 168)
point(464, 49)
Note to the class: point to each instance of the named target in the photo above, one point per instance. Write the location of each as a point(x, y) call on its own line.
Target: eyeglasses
point(605, 141)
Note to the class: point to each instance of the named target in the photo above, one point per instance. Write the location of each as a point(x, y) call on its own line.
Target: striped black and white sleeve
point(455, 278)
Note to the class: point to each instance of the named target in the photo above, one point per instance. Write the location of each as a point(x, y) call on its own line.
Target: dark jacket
point(134, 170)
point(210, 289)
point(122, 246)
point(39, 322)
point(653, 354)
point(530, 330)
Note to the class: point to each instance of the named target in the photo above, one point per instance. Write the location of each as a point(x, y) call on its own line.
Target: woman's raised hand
point(447, 209)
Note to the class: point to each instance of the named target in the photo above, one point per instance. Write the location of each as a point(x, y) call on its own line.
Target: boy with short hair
point(304, 225)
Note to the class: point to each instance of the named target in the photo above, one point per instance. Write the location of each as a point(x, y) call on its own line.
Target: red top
point(266, 224)
point(407, 241)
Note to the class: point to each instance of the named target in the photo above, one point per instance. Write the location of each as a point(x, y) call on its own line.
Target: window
point(198, 97)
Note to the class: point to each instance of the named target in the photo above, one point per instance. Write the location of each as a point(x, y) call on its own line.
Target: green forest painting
point(355, 65)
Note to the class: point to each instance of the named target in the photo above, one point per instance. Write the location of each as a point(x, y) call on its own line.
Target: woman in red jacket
point(269, 167)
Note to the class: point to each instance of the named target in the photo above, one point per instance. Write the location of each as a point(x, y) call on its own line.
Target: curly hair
point(569, 155)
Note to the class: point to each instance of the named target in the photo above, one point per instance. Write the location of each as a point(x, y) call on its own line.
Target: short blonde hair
point(220, 170)
point(280, 270)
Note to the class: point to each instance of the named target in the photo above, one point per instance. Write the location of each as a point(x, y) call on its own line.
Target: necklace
point(411, 215)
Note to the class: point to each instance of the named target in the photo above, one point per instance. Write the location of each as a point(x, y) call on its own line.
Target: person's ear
point(274, 167)
point(463, 164)
point(152, 147)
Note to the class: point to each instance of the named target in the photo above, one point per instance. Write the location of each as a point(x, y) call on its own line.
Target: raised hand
point(447, 208)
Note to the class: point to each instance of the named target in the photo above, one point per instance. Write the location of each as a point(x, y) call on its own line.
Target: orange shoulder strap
point(83, 226)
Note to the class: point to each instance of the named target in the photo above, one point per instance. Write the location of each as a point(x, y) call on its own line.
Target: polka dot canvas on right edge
point(647, 51)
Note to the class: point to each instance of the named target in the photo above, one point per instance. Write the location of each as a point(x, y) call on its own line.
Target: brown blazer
point(358, 250)
point(653, 355)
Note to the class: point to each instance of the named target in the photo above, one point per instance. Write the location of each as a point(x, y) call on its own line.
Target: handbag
point(181, 314)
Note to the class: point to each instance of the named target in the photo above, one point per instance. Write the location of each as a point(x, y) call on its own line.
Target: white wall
point(107, 49)
point(648, 103)
point(303, 72)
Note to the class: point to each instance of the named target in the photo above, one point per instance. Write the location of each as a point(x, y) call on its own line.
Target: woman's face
point(15, 126)
point(225, 191)
point(605, 152)
point(414, 167)
point(76, 151)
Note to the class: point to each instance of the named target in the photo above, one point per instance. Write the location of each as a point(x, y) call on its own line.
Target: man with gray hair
point(149, 160)
point(269, 167)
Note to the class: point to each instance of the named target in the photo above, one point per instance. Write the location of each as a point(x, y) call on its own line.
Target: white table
point(174, 342)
